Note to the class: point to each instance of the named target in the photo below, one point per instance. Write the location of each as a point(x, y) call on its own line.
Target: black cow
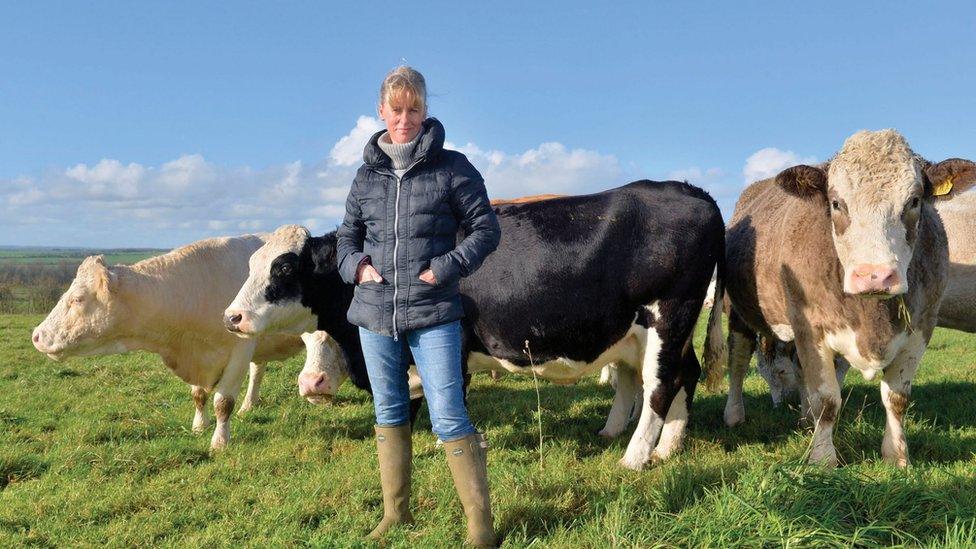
point(579, 282)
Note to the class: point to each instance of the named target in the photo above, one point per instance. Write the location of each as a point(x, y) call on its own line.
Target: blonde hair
point(404, 84)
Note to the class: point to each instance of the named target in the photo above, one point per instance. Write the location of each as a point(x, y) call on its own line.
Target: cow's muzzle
point(876, 281)
point(237, 322)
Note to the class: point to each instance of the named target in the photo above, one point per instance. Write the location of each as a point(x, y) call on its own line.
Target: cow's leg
point(253, 397)
point(896, 387)
point(823, 398)
point(200, 419)
point(637, 404)
point(623, 401)
point(676, 421)
point(742, 343)
point(227, 390)
point(669, 324)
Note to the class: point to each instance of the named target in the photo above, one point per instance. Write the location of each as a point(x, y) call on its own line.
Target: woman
point(397, 244)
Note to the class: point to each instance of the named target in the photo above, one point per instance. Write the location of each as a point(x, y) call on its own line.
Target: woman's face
point(403, 120)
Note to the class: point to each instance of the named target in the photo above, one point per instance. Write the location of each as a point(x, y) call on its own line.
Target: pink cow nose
point(874, 279)
point(37, 338)
point(232, 320)
point(312, 384)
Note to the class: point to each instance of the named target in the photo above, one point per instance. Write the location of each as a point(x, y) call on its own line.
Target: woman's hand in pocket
point(428, 277)
point(367, 273)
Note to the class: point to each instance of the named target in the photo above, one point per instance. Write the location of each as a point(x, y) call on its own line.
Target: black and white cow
point(311, 278)
point(579, 282)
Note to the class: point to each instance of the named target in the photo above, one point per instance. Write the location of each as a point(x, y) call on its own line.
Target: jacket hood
point(430, 145)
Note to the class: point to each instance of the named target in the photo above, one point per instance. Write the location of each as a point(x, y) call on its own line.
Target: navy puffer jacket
point(408, 225)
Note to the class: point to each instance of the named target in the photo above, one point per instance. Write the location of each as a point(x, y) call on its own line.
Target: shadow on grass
point(568, 413)
point(18, 468)
point(576, 413)
point(937, 410)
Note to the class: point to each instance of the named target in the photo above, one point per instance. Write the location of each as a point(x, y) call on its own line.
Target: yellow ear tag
point(943, 188)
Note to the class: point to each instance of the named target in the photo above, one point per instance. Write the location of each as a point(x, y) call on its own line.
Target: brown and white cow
point(848, 258)
point(954, 186)
point(170, 305)
point(955, 183)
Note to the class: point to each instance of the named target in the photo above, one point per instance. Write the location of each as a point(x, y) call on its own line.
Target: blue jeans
point(437, 352)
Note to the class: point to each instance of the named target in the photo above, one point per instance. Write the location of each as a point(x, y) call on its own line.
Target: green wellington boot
point(393, 447)
point(467, 459)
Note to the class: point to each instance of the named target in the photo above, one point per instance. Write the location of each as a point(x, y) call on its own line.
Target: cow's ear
point(950, 177)
point(323, 254)
point(803, 180)
point(101, 274)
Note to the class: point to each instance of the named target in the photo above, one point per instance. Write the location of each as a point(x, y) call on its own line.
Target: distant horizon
point(13, 247)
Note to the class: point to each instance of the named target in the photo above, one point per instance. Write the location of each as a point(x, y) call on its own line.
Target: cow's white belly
point(845, 342)
point(628, 350)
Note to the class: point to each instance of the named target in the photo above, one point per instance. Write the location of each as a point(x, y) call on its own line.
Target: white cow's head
point(88, 317)
point(270, 301)
point(875, 191)
point(325, 368)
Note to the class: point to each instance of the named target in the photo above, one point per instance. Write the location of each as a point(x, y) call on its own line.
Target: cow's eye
point(77, 300)
point(914, 203)
point(286, 269)
point(835, 204)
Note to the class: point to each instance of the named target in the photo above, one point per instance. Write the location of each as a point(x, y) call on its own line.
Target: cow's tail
point(715, 355)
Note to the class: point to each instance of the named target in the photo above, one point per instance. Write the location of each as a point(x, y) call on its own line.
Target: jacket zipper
point(396, 243)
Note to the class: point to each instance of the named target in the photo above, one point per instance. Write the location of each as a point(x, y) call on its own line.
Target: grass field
point(20, 256)
point(98, 452)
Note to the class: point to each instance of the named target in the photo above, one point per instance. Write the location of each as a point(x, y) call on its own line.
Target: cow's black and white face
point(270, 301)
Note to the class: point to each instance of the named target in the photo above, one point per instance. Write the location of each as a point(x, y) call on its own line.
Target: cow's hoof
point(658, 458)
point(218, 443)
point(734, 416)
point(246, 407)
point(897, 461)
point(632, 464)
point(607, 434)
point(826, 457)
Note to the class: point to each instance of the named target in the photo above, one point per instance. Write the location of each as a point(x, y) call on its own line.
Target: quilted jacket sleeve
point(469, 201)
point(350, 237)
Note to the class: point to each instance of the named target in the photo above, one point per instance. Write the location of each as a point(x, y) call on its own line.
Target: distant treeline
point(60, 273)
point(32, 280)
point(34, 288)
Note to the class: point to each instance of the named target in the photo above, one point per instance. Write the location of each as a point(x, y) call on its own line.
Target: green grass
point(97, 451)
point(21, 256)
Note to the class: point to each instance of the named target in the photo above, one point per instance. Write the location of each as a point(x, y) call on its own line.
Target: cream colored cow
point(170, 305)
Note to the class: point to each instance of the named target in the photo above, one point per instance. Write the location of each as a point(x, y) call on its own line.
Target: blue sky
point(130, 124)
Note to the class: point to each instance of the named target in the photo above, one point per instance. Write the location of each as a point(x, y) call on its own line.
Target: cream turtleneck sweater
point(400, 153)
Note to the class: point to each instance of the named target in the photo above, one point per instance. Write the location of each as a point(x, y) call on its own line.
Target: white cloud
point(549, 168)
point(335, 194)
point(112, 203)
point(768, 162)
point(108, 178)
point(184, 171)
point(696, 175)
point(348, 151)
point(25, 198)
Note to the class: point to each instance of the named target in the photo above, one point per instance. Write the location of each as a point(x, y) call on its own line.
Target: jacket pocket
point(370, 292)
